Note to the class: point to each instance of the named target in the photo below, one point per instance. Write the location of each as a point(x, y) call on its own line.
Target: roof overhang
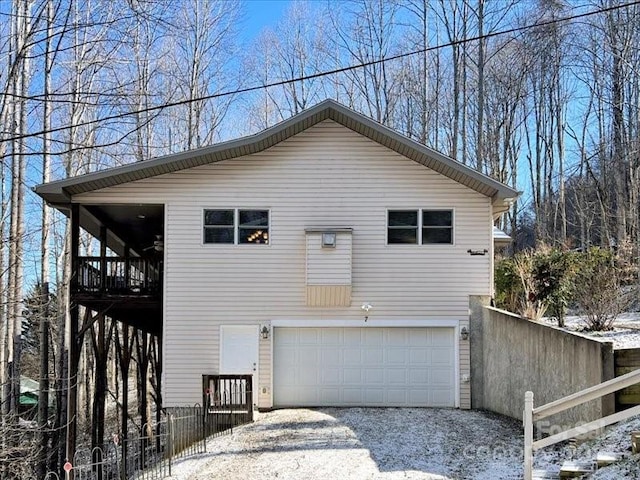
point(61, 192)
point(500, 238)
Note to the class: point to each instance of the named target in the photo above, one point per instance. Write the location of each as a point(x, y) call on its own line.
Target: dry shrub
point(599, 291)
point(531, 304)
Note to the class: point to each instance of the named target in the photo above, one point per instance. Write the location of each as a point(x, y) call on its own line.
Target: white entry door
point(239, 349)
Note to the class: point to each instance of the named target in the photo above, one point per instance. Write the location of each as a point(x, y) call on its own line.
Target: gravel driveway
point(364, 443)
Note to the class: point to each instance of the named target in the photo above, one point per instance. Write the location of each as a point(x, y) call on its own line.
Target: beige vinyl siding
point(329, 266)
point(327, 175)
point(329, 271)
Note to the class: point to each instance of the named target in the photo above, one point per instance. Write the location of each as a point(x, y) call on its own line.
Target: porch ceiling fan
point(158, 244)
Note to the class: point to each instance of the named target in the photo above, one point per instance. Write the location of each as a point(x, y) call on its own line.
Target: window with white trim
point(236, 226)
point(420, 226)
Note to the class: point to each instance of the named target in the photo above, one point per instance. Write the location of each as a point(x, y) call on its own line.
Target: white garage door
point(364, 367)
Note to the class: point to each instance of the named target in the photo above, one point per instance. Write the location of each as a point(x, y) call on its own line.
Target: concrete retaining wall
point(510, 355)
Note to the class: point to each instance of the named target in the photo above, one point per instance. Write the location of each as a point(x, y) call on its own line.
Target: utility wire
point(329, 72)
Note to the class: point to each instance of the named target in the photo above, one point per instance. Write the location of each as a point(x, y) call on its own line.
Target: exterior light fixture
point(366, 308)
point(264, 332)
point(464, 333)
point(328, 240)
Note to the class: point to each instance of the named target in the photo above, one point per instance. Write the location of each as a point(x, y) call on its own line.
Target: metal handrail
point(592, 393)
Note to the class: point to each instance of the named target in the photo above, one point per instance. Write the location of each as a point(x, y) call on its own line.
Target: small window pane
point(436, 218)
point(437, 235)
point(253, 235)
point(258, 218)
point(403, 218)
point(218, 234)
point(218, 217)
point(402, 235)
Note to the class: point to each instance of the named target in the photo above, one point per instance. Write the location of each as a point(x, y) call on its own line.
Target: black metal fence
point(183, 432)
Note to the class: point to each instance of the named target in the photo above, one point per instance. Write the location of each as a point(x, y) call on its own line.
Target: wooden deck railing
point(534, 414)
point(229, 394)
point(119, 275)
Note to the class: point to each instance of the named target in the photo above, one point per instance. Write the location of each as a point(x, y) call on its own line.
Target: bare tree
point(294, 48)
point(204, 37)
point(367, 34)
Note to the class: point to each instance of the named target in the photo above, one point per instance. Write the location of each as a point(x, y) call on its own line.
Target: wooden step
point(604, 459)
point(571, 469)
point(635, 442)
point(551, 473)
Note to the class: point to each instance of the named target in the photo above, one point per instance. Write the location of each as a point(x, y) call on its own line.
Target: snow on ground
point(364, 443)
point(393, 443)
point(616, 440)
point(625, 333)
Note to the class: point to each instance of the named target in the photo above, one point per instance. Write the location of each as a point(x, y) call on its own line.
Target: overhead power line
point(328, 72)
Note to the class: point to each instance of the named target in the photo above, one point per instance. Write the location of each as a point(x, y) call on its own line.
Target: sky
point(261, 14)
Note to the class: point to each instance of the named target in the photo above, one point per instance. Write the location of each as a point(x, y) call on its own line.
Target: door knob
point(254, 366)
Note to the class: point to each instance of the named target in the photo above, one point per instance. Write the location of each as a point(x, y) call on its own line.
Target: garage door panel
point(374, 376)
point(332, 355)
point(419, 337)
point(288, 336)
point(440, 377)
point(373, 356)
point(352, 356)
point(441, 336)
point(352, 336)
point(287, 357)
point(441, 356)
point(395, 396)
point(374, 396)
point(419, 355)
point(353, 396)
point(331, 335)
point(395, 376)
point(397, 336)
point(364, 366)
point(373, 336)
point(418, 376)
point(308, 336)
point(331, 376)
point(440, 398)
point(330, 396)
point(396, 355)
point(309, 356)
point(352, 376)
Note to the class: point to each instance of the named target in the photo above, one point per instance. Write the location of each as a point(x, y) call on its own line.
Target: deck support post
point(73, 344)
point(127, 266)
point(103, 256)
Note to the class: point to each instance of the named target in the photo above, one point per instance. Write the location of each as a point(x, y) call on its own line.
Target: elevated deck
point(126, 289)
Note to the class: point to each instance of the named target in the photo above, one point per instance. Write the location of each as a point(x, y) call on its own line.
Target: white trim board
point(285, 322)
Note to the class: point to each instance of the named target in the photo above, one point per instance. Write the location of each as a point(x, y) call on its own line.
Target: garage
point(371, 366)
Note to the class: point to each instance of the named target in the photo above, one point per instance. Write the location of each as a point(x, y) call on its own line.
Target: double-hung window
point(236, 226)
point(402, 226)
point(437, 226)
point(420, 226)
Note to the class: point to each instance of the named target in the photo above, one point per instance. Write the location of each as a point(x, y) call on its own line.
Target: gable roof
point(61, 191)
